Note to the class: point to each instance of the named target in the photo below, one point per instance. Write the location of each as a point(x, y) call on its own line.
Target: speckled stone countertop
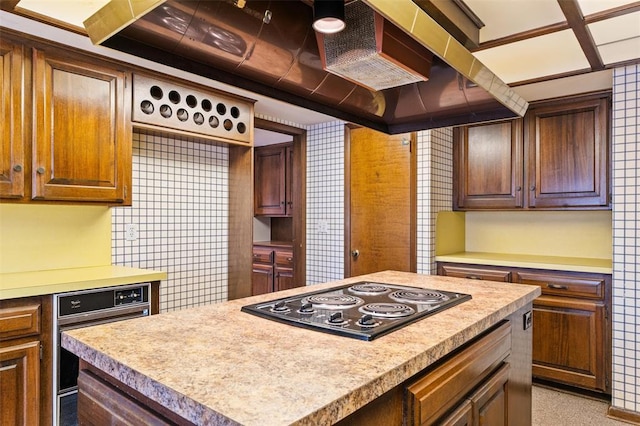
point(218, 365)
point(575, 264)
point(38, 283)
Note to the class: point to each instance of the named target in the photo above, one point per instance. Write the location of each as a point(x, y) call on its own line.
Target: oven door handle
point(107, 315)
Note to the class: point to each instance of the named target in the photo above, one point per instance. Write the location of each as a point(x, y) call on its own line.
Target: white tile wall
point(325, 202)
point(435, 190)
point(180, 206)
point(626, 237)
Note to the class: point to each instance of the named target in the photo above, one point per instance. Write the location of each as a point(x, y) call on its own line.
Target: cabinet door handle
point(17, 168)
point(532, 188)
point(40, 170)
point(557, 287)
point(518, 188)
point(473, 277)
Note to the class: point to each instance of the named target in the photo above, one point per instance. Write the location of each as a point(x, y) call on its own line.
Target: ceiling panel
point(73, 12)
point(621, 51)
point(506, 17)
point(589, 7)
point(616, 29)
point(554, 53)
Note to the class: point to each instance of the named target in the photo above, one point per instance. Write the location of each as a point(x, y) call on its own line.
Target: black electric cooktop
point(363, 310)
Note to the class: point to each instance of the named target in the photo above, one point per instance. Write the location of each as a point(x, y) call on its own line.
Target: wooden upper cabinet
point(556, 158)
point(12, 144)
point(82, 134)
point(273, 180)
point(488, 161)
point(569, 153)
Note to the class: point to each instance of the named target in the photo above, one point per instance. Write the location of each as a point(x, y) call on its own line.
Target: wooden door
point(288, 174)
point(269, 180)
point(490, 401)
point(12, 143)
point(262, 279)
point(20, 384)
point(488, 167)
point(82, 148)
point(568, 150)
point(568, 342)
point(380, 187)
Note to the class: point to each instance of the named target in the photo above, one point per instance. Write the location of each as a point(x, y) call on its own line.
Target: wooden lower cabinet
point(20, 384)
point(569, 342)
point(485, 382)
point(272, 269)
point(25, 361)
point(100, 403)
point(571, 322)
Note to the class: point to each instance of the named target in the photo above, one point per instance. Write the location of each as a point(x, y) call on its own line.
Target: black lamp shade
point(328, 16)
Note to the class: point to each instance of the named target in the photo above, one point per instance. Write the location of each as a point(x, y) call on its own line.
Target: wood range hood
point(270, 48)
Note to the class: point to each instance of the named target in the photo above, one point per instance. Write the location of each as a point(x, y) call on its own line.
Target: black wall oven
point(83, 309)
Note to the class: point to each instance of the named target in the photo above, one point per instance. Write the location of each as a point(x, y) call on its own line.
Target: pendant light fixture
point(328, 16)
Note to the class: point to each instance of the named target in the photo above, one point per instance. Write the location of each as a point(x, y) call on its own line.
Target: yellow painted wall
point(547, 233)
point(42, 237)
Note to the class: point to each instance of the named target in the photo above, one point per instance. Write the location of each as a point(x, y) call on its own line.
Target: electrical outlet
point(527, 320)
point(131, 232)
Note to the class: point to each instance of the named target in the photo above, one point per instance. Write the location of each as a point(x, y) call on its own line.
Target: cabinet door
point(262, 279)
point(82, 135)
point(569, 342)
point(490, 405)
point(568, 150)
point(288, 173)
point(488, 166)
point(283, 279)
point(462, 416)
point(12, 112)
point(269, 181)
point(20, 384)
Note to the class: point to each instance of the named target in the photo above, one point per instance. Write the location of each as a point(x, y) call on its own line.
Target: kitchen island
point(218, 365)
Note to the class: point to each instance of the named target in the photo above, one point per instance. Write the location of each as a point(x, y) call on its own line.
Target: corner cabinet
point(273, 179)
point(65, 129)
point(571, 321)
point(82, 149)
point(557, 157)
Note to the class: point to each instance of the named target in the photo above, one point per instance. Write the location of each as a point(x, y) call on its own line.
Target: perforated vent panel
point(186, 109)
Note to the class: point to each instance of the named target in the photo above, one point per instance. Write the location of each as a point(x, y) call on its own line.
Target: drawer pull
point(289, 259)
point(557, 287)
point(473, 277)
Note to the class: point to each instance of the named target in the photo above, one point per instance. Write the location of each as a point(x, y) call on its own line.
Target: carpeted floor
point(556, 408)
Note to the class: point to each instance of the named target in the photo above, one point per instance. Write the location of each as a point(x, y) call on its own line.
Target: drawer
point(474, 273)
point(564, 284)
point(439, 390)
point(262, 255)
point(19, 321)
point(284, 258)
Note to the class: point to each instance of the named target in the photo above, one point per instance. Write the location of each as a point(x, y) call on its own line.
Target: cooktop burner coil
point(419, 296)
point(333, 301)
